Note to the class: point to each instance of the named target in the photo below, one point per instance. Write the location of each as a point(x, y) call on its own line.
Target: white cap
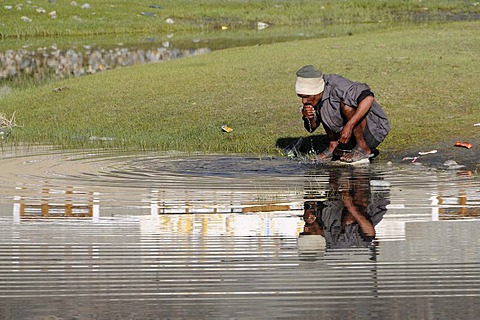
point(309, 81)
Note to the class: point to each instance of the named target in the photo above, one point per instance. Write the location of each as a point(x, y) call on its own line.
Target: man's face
point(309, 216)
point(310, 99)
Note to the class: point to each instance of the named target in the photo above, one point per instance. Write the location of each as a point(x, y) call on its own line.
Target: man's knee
point(347, 111)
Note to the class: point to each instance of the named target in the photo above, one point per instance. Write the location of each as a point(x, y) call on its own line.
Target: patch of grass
point(425, 77)
point(119, 17)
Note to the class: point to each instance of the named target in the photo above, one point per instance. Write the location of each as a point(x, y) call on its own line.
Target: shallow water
point(111, 235)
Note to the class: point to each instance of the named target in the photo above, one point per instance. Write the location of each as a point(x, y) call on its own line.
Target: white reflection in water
point(254, 190)
point(150, 235)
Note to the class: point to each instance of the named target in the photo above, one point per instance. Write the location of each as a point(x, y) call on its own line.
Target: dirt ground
point(446, 153)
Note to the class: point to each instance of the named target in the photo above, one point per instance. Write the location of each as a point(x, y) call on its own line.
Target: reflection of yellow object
point(224, 27)
point(72, 205)
point(226, 129)
point(266, 208)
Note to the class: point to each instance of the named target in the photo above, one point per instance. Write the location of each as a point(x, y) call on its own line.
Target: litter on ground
point(422, 153)
point(467, 145)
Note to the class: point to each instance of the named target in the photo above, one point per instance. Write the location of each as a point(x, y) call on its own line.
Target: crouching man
point(347, 110)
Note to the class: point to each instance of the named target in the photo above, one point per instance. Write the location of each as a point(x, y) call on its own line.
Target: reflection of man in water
point(312, 226)
point(348, 216)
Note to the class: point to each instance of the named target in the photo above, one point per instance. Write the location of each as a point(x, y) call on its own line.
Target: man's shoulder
point(332, 77)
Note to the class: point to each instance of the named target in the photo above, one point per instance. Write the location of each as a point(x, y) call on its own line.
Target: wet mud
point(446, 152)
point(443, 155)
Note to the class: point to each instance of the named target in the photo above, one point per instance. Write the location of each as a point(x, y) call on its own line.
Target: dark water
point(165, 236)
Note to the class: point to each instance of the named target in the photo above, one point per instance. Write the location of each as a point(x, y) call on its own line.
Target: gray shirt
point(339, 89)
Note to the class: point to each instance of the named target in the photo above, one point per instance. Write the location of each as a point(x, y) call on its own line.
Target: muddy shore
point(440, 155)
point(446, 152)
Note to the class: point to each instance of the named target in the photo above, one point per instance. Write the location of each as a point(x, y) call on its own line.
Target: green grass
point(426, 78)
point(120, 17)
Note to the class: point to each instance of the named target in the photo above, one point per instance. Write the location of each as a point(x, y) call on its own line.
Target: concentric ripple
point(157, 236)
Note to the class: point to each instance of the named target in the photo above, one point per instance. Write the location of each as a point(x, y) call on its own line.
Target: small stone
point(262, 25)
point(449, 163)
point(452, 165)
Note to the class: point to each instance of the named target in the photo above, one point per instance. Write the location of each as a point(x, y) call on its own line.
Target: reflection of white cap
point(309, 81)
point(311, 243)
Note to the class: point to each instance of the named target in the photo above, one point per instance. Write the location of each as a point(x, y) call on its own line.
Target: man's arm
point(365, 225)
point(359, 113)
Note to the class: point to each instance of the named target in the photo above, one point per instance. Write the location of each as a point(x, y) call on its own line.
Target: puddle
point(90, 235)
point(54, 63)
point(25, 61)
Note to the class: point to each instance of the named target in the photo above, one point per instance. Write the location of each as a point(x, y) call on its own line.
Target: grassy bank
point(38, 18)
point(425, 77)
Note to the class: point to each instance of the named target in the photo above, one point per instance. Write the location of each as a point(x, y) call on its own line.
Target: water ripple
point(148, 236)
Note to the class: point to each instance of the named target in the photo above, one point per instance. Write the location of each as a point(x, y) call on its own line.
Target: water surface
point(115, 235)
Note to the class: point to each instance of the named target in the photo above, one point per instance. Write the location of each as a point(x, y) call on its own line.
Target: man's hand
point(346, 133)
point(308, 111)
